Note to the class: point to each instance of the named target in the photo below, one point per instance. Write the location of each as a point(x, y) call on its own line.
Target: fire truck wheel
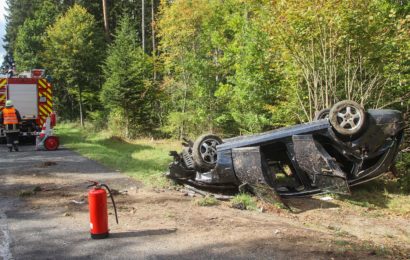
point(51, 143)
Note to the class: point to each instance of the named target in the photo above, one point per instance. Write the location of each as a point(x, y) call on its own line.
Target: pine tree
point(128, 87)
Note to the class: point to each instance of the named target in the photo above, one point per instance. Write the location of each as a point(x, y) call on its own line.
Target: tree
point(128, 87)
point(18, 12)
point(336, 50)
point(74, 48)
point(29, 48)
point(219, 72)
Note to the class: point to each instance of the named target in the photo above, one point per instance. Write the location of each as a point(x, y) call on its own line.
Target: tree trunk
point(153, 36)
point(105, 15)
point(143, 24)
point(81, 105)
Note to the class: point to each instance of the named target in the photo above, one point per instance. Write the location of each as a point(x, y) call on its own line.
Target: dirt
point(315, 230)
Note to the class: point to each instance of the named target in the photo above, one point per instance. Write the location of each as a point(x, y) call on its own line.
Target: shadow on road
point(140, 233)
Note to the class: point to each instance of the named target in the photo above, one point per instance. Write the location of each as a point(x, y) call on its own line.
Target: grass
point(244, 201)
point(206, 201)
point(382, 194)
point(144, 159)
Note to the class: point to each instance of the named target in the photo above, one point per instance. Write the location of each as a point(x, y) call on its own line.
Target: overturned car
point(347, 147)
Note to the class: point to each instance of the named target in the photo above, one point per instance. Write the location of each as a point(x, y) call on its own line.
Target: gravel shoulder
point(44, 215)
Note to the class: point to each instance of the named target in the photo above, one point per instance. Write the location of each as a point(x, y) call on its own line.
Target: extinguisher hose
point(112, 199)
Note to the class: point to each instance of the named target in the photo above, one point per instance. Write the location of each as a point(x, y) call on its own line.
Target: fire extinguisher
point(97, 202)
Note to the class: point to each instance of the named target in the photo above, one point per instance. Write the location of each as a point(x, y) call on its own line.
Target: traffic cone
point(43, 131)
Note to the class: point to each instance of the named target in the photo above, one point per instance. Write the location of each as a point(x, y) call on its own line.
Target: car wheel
point(347, 117)
point(322, 114)
point(204, 151)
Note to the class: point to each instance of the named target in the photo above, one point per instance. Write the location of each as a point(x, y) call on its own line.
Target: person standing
point(10, 118)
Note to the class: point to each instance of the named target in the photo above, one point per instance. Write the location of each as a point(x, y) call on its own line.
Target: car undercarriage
point(346, 146)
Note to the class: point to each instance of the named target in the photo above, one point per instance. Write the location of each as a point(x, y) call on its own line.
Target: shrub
point(244, 201)
point(206, 201)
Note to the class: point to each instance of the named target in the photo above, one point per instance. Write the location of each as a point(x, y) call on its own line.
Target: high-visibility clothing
point(10, 116)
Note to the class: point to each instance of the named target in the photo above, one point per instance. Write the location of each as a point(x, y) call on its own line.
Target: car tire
point(322, 114)
point(204, 151)
point(347, 117)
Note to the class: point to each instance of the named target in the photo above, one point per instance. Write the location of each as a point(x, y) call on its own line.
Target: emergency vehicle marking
point(44, 108)
point(3, 83)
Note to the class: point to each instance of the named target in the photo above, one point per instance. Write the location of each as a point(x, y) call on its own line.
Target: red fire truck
point(32, 96)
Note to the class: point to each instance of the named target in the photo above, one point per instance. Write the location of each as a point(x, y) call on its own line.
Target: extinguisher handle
point(112, 199)
point(94, 183)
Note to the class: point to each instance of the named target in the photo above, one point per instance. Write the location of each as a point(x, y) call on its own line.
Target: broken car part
point(332, 154)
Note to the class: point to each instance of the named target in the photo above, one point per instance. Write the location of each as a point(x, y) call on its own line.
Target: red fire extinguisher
point(97, 202)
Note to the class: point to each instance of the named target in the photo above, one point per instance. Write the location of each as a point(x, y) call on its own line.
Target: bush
point(98, 119)
point(403, 166)
point(244, 201)
point(206, 201)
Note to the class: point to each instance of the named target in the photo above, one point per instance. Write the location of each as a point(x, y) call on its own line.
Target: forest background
point(182, 68)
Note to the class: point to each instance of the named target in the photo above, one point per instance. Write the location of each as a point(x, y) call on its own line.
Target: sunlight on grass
point(244, 201)
point(380, 195)
point(206, 201)
point(400, 204)
point(144, 159)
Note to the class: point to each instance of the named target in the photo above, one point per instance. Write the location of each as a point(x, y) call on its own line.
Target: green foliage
point(128, 83)
point(18, 12)
point(220, 68)
point(403, 167)
point(74, 49)
point(339, 50)
point(206, 201)
point(28, 48)
point(230, 67)
point(244, 201)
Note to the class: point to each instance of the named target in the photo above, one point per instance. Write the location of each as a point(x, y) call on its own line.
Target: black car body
point(301, 160)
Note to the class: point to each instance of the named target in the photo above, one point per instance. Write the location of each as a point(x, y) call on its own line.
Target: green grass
point(144, 159)
point(381, 194)
point(244, 201)
point(206, 201)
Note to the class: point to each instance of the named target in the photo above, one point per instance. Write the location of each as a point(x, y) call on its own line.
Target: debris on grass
point(191, 191)
point(326, 198)
point(77, 202)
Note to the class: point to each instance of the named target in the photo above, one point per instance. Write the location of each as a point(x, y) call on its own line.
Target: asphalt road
point(29, 232)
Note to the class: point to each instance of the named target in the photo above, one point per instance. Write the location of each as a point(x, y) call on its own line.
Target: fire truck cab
point(31, 94)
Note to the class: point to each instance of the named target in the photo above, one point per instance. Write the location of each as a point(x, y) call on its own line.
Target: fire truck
point(32, 96)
